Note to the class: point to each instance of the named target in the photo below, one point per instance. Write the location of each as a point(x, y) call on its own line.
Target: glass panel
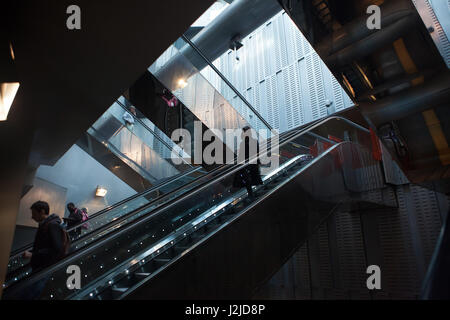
point(136, 144)
point(157, 140)
point(176, 70)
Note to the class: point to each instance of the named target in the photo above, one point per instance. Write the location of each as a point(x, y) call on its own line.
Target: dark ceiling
point(70, 77)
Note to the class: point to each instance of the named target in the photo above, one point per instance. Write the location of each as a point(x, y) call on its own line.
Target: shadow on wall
point(42, 190)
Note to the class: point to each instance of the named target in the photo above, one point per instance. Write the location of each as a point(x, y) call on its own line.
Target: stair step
point(142, 275)
point(196, 235)
point(181, 248)
point(161, 260)
point(119, 290)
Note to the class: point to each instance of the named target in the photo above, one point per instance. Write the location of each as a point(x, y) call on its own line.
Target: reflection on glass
point(179, 74)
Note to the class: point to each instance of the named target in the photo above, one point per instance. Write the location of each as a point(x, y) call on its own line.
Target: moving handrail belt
point(117, 221)
point(19, 251)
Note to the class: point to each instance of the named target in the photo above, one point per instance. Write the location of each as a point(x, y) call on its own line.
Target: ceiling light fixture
point(11, 50)
point(182, 83)
point(101, 192)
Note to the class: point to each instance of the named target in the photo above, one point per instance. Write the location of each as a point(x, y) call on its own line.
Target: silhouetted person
point(85, 217)
point(128, 117)
point(169, 98)
point(75, 218)
point(248, 176)
point(51, 244)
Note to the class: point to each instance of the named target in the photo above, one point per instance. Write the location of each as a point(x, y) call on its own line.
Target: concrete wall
point(42, 190)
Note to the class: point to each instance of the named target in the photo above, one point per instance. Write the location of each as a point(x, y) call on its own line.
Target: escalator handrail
point(19, 251)
point(118, 204)
point(227, 223)
point(124, 217)
point(144, 207)
point(326, 152)
point(211, 173)
point(136, 211)
point(109, 237)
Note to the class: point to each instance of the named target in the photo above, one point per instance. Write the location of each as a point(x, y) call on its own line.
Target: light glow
point(101, 192)
point(8, 91)
point(11, 51)
point(182, 83)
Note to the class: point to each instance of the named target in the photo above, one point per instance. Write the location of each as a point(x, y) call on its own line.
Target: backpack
point(84, 217)
point(66, 243)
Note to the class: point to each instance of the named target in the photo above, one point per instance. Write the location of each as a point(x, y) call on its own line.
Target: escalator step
point(117, 292)
point(161, 260)
point(195, 236)
point(181, 248)
point(142, 275)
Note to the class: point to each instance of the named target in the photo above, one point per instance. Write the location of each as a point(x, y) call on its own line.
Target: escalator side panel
point(246, 253)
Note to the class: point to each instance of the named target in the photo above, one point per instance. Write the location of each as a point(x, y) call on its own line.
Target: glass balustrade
point(333, 145)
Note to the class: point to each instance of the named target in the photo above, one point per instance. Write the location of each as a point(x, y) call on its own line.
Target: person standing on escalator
point(51, 244)
point(248, 176)
point(75, 218)
point(169, 98)
point(128, 117)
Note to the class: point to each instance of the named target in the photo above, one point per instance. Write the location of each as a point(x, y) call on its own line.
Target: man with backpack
point(51, 244)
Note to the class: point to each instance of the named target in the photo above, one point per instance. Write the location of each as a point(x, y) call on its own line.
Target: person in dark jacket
point(250, 175)
point(48, 248)
point(48, 245)
point(75, 218)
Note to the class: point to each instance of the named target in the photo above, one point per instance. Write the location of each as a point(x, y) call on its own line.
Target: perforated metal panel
point(326, 280)
point(428, 219)
point(296, 81)
point(405, 238)
point(399, 269)
point(436, 14)
point(301, 274)
point(351, 251)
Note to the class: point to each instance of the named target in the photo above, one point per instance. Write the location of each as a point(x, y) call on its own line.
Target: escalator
point(216, 242)
point(121, 213)
point(140, 147)
point(107, 219)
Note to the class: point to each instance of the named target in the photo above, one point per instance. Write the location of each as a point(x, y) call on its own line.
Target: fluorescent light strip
point(8, 91)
